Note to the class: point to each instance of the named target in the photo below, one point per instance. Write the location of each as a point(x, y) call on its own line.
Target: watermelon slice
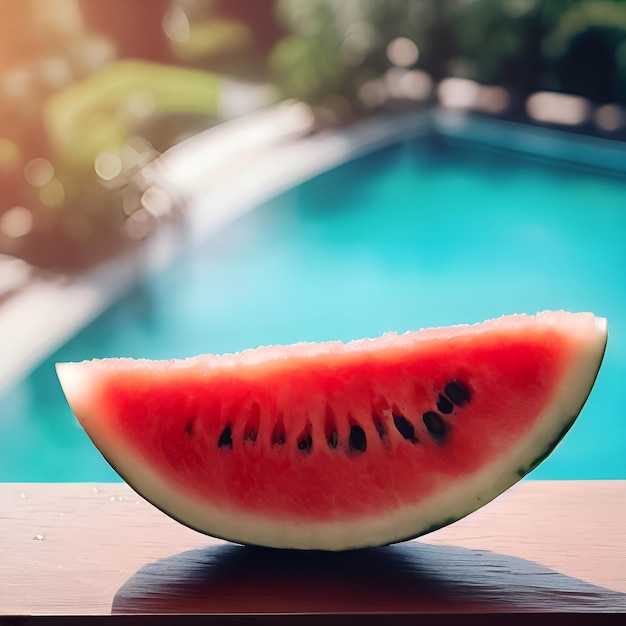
point(336, 446)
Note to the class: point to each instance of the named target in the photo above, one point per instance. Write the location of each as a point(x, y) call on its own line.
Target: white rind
point(455, 501)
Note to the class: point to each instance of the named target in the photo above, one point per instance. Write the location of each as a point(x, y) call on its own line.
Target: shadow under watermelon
point(407, 578)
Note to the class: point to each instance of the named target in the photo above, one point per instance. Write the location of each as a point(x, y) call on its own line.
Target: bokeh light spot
point(458, 93)
point(493, 99)
point(38, 172)
point(176, 25)
point(108, 165)
point(609, 117)
point(92, 52)
point(373, 93)
point(357, 42)
point(557, 108)
point(140, 104)
point(139, 224)
point(131, 200)
point(16, 222)
point(463, 93)
point(156, 202)
point(53, 193)
point(416, 85)
point(402, 52)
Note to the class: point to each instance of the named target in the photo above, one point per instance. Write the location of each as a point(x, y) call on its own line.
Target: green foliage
point(587, 48)
point(100, 112)
point(571, 46)
point(71, 95)
point(574, 46)
point(334, 46)
point(308, 68)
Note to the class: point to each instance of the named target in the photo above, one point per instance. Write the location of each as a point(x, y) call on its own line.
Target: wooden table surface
point(96, 549)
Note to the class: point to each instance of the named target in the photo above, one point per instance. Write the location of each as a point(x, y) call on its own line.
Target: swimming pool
point(434, 230)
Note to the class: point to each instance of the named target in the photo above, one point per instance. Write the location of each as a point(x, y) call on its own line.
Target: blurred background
point(91, 91)
point(110, 111)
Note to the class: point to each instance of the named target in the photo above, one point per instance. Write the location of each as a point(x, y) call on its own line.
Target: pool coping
point(271, 150)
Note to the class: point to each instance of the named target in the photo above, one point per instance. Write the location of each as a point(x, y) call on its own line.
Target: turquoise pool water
point(429, 232)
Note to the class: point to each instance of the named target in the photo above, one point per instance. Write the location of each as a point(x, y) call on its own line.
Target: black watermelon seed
point(279, 435)
point(226, 438)
point(305, 443)
point(434, 423)
point(357, 439)
point(405, 428)
point(444, 405)
point(189, 427)
point(457, 392)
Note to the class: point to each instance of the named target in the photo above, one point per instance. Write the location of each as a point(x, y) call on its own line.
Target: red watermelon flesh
point(336, 446)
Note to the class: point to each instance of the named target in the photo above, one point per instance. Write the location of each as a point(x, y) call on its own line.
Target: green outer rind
point(543, 456)
point(521, 473)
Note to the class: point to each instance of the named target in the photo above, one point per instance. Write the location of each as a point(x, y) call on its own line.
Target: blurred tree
point(80, 78)
point(573, 46)
point(336, 47)
point(500, 43)
point(71, 100)
point(586, 50)
point(570, 46)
